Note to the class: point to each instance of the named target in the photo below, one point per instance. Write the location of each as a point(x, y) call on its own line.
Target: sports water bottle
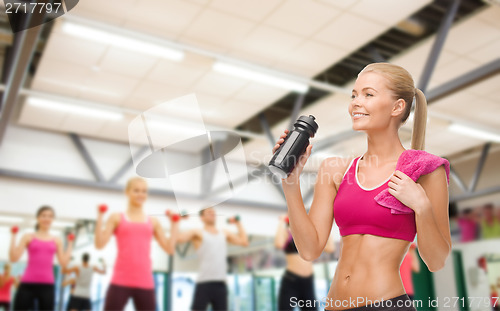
point(295, 145)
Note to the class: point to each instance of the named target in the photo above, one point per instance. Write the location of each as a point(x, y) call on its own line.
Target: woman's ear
point(399, 107)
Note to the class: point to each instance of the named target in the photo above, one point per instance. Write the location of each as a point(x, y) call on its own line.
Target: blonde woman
point(134, 230)
point(374, 240)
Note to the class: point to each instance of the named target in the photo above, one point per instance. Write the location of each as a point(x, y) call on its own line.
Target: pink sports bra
point(356, 211)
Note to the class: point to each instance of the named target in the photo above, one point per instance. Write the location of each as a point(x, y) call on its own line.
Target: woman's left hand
point(407, 191)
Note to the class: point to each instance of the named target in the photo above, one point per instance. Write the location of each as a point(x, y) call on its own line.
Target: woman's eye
point(352, 96)
point(368, 94)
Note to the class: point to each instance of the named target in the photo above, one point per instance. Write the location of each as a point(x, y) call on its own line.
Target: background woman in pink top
point(133, 230)
point(6, 283)
point(373, 247)
point(37, 282)
point(409, 265)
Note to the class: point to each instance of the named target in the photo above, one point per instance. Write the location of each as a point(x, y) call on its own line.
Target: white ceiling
point(470, 44)
point(293, 36)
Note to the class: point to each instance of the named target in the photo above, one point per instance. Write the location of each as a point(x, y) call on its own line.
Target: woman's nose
point(355, 103)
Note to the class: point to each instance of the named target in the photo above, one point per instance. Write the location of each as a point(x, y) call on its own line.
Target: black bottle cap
point(309, 122)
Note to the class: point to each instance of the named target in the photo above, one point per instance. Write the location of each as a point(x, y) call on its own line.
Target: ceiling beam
point(106, 186)
point(467, 79)
point(87, 157)
point(437, 47)
point(129, 164)
point(479, 167)
point(19, 60)
point(130, 111)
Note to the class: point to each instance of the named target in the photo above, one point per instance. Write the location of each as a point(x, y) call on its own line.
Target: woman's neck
point(384, 146)
point(134, 209)
point(42, 231)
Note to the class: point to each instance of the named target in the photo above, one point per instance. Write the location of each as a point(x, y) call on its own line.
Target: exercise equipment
point(103, 208)
point(234, 219)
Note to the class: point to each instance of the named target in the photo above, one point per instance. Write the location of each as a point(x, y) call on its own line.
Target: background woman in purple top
point(37, 282)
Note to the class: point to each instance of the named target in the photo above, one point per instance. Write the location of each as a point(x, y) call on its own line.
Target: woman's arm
point(167, 244)
point(63, 257)
point(281, 234)
point(311, 231)
point(103, 235)
point(15, 252)
point(429, 200)
point(330, 245)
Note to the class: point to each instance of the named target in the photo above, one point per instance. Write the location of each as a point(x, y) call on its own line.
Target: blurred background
point(71, 87)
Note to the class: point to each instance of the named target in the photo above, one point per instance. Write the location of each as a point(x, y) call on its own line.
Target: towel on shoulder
point(414, 163)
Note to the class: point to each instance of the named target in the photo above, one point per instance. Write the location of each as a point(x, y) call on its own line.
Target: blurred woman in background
point(410, 265)
point(490, 224)
point(37, 282)
point(6, 283)
point(298, 280)
point(469, 221)
point(134, 231)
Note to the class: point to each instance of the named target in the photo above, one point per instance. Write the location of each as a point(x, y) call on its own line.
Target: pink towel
point(413, 163)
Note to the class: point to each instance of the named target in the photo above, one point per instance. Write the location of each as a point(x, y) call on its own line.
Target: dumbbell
point(174, 216)
point(233, 219)
point(286, 220)
point(14, 229)
point(70, 237)
point(103, 208)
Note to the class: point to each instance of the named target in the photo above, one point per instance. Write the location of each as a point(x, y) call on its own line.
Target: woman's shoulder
point(422, 162)
point(413, 154)
point(28, 237)
point(424, 166)
point(336, 167)
point(117, 216)
point(336, 163)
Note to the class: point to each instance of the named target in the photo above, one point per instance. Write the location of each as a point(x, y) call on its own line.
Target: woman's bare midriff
point(368, 269)
point(297, 265)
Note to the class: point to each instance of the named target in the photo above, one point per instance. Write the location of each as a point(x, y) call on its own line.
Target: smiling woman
point(132, 273)
point(37, 282)
point(375, 239)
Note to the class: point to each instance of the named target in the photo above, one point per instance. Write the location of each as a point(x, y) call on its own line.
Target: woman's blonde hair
point(402, 85)
point(132, 180)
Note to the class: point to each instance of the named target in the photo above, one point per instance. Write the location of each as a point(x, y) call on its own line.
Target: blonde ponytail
point(419, 121)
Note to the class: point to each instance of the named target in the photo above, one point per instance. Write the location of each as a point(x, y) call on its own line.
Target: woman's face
point(373, 106)
point(45, 219)
point(137, 193)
